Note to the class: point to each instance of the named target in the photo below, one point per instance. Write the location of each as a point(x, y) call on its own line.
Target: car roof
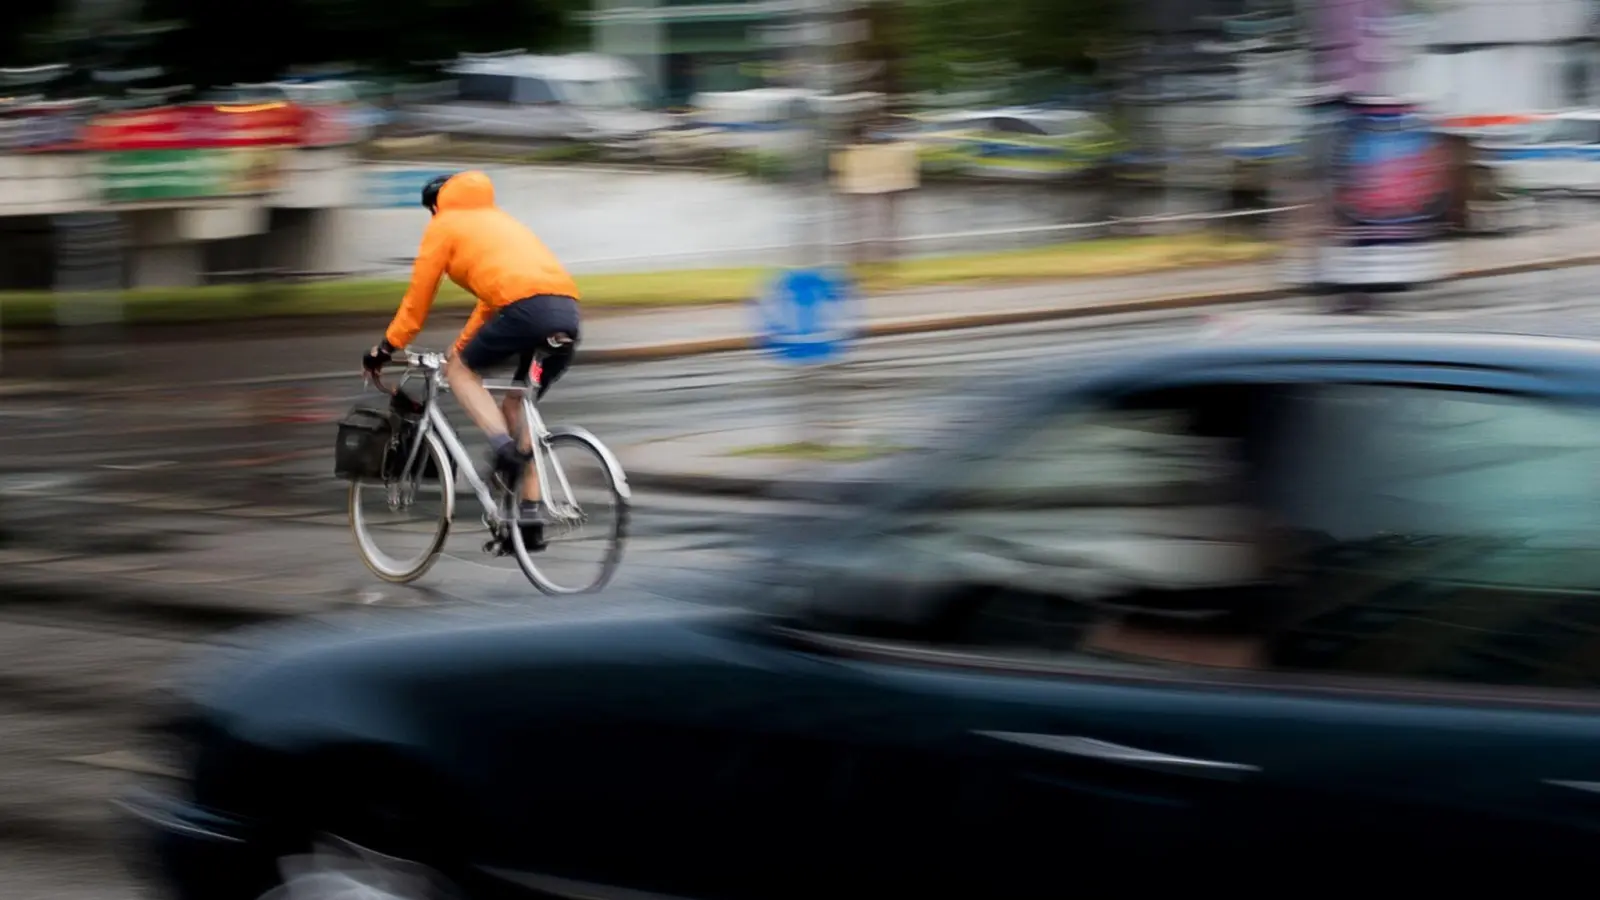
point(1378, 344)
point(570, 67)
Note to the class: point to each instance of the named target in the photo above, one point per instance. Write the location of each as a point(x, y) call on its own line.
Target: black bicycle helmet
point(430, 192)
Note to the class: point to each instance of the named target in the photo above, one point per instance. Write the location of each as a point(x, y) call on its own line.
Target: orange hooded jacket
point(484, 250)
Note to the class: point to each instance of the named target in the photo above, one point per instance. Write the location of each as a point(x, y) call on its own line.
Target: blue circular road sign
point(807, 316)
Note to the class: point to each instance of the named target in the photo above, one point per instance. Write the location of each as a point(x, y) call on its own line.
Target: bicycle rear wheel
point(415, 509)
point(589, 500)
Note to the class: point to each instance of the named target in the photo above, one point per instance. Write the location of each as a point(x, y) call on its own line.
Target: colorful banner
point(327, 125)
point(197, 127)
point(1390, 175)
point(58, 127)
point(258, 125)
point(141, 129)
point(138, 176)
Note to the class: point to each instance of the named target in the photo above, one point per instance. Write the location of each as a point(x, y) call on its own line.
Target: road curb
point(821, 490)
point(930, 324)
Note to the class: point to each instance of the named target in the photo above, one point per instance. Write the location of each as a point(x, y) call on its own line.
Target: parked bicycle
point(396, 451)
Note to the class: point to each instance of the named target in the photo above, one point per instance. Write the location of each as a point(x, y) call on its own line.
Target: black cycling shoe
point(531, 519)
point(507, 465)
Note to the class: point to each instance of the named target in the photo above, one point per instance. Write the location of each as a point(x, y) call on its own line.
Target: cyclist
point(527, 302)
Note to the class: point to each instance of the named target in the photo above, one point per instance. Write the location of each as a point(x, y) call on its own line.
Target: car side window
point(1457, 538)
point(479, 88)
point(534, 91)
point(1419, 533)
point(1036, 544)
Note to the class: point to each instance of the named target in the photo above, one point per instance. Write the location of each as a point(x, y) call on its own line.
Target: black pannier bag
point(409, 405)
point(402, 448)
point(366, 435)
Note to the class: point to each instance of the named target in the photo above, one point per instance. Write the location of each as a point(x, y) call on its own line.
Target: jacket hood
point(468, 190)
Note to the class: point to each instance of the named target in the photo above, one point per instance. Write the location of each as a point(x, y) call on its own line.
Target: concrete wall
point(45, 184)
point(165, 240)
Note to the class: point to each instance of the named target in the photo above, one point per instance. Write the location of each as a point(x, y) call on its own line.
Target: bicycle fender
point(613, 465)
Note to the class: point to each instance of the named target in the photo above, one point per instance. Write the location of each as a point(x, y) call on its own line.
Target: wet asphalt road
point(274, 426)
point(72, 683)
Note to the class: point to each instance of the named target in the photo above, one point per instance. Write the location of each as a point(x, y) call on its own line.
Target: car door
point(1006, 740)
point(1453, 605)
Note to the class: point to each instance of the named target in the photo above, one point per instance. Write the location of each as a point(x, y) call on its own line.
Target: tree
point(23, 25)
point(256, 40)
point(981, 44)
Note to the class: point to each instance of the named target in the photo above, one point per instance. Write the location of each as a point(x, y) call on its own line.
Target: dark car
point(1283, 609)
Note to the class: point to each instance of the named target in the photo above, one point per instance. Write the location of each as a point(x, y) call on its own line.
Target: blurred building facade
point(688, 46)
point(196, 192)
point(1498, 56)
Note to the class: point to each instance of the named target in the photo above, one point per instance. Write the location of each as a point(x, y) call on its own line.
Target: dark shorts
point(521, 329)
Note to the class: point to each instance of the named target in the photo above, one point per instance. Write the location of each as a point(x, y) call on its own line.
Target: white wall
point(1491, 80)
point(1508, 21)
point(1520, 68)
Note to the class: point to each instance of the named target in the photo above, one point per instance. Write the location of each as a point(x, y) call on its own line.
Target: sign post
point(808, 318)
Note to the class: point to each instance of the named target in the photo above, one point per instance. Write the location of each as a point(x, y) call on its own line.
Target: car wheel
point(337, 869)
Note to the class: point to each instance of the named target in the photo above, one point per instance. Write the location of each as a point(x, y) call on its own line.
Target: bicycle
point(423, 446)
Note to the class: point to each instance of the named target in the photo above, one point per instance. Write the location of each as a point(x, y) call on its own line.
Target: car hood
point(368, 669)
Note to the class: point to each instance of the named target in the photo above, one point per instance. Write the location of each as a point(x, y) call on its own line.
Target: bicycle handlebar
point(376, 380)
point(427, 359)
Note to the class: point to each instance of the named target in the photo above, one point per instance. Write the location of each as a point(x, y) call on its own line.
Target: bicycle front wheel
point(589, 504)
point(400, 526)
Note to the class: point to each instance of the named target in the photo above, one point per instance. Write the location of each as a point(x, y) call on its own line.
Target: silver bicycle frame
point(435, 421)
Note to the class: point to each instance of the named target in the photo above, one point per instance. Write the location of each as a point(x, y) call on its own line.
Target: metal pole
point(819, 80)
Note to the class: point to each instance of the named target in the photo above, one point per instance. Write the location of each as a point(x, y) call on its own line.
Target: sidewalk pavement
point(189, 567)
point(652, 334)
point(661, 334)
point(725, 462)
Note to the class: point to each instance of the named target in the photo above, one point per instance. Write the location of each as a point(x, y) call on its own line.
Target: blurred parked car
point(355, 112)
point(774, 118)
point(1280, 604)
point(579, 97)
point(1016, 143)
point(1559, 151)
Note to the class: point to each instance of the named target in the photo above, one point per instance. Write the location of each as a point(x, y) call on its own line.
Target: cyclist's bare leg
point(475, 398)
point(511, 407)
